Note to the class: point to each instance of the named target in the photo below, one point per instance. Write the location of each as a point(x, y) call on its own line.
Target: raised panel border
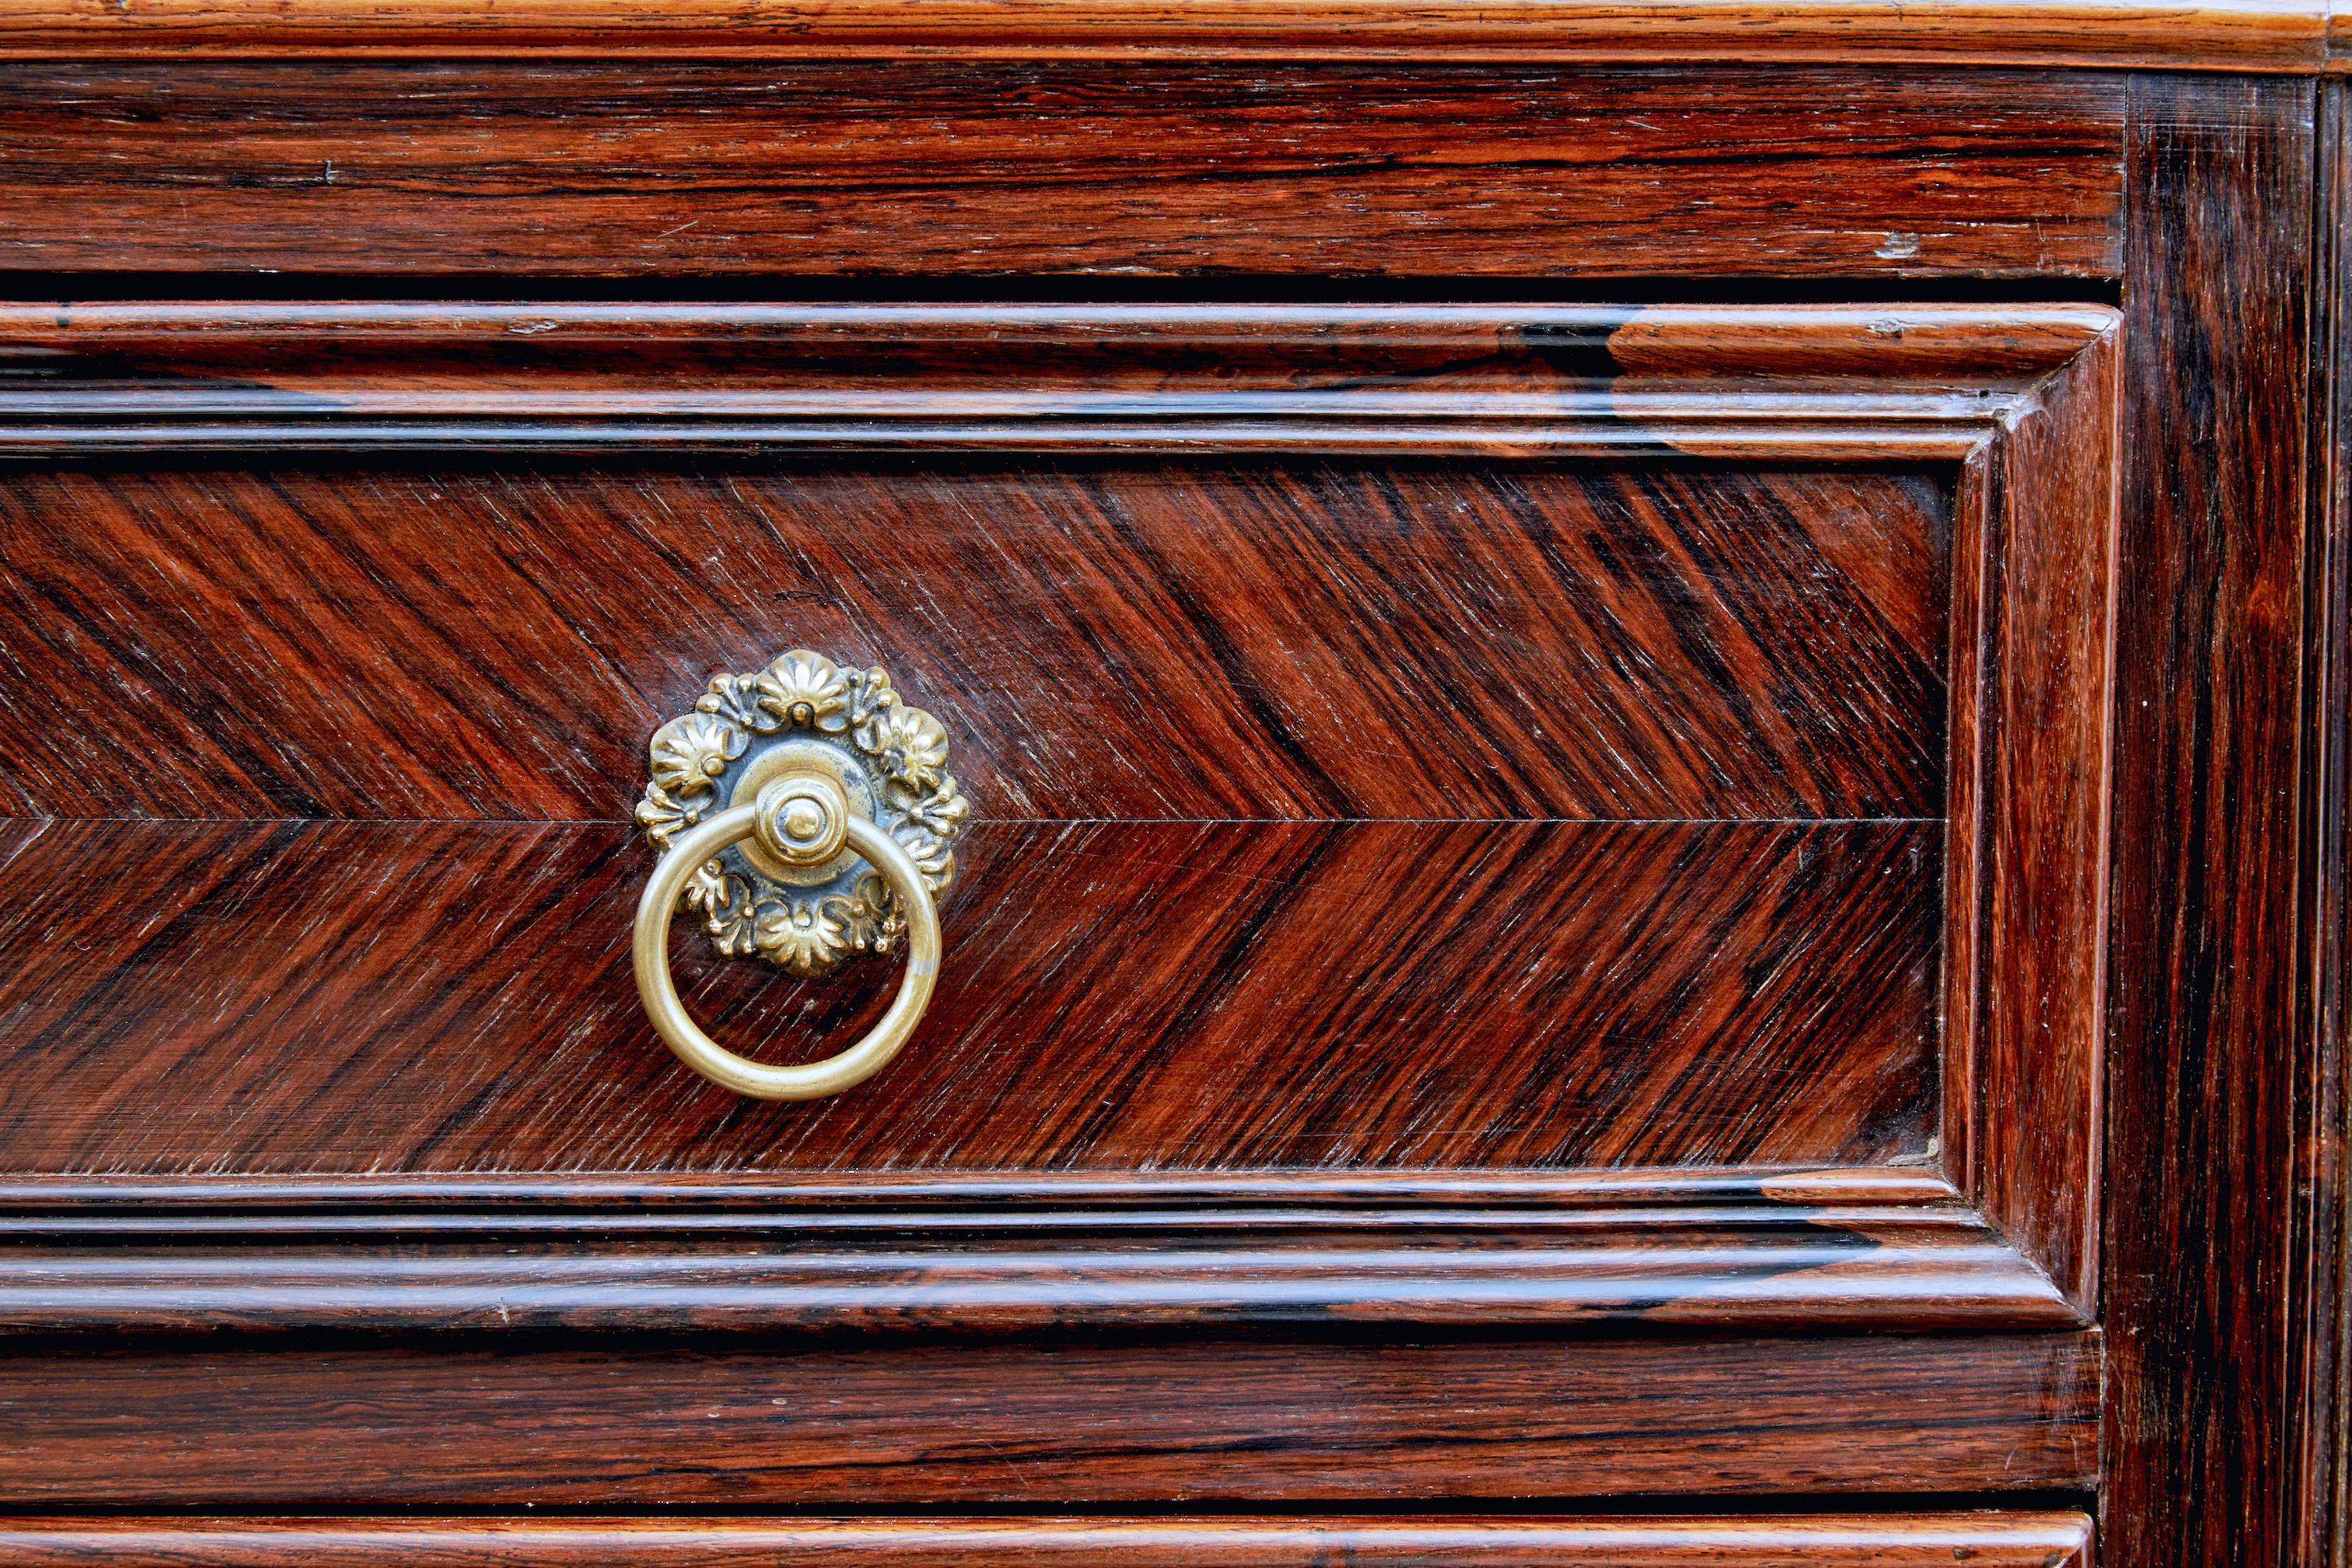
point(2020, 398)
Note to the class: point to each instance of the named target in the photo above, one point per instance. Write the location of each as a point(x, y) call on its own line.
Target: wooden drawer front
point(1488, 815)
point(1900, 1540)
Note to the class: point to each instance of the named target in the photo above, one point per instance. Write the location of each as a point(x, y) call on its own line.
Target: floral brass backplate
point(805, 710)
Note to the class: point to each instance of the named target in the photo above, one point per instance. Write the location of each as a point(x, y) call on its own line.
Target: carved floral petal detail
point(805, 938)
point(893, 754)
point(690, 752)
point(909, 744)
point(661, 816)
point(931, 855)
point(727, 907)
point(943, 810)
point(806, 689)
point(870, 916)
point(736, 699)
point(871, 695)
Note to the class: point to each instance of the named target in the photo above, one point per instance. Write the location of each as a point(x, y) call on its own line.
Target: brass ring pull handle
point(812, 804)
point(835, 841)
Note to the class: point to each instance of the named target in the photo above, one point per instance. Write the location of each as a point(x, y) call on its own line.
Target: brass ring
point(688, 852)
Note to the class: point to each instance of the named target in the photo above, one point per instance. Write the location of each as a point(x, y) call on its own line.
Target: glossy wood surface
point(1747, 665)
point(1991, 1539)
point(1890, 381)
point(1679, 730)
point(1270, 1421)
point(1124, 642)
point(1123, 996)
point(2253, 35)
point(2037, 801)
point(2202, 1105)
point(885, 1273)
point(2318, 1501)
point(640, 168)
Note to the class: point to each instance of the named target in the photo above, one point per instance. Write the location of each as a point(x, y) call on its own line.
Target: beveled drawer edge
point(843, 1195)
point(1869, 382)
point(946, 1269)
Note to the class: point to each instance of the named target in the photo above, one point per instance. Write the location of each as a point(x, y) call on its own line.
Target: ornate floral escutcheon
point(804, 711)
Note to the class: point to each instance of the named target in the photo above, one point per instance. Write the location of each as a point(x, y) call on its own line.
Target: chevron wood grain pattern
point(1254, 1421)
point(1156, 641)
point(918, 169)
point(1984, 1539)
point(316, 997)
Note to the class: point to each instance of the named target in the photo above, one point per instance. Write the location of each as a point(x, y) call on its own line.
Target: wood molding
point(990, 1273)
point(53, 1204)
point(1886, 383)
point(2025, 976)
point(1984, 1539)
point(2293, 36)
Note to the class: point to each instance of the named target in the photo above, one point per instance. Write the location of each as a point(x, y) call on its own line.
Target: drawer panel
point(651, 168)
point(1600, 799)
point(1991, 1540)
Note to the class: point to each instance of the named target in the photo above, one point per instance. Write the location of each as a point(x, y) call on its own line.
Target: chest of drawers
point(1604, 747)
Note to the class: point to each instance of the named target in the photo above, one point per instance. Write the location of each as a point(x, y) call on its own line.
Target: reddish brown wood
point(2267, 34)
point(1820, 382)
point(2202, 1110)
point(646, 169)
point(396, 1205)
point(2318, 1506)
point(2034, 797)
point(1262, 1422)
point(1150, 641)
point(1672, 641)
point(1988, 1540)
point(1669, 727)
point(978, 1272)
point(1123, 996)
point(381, 589)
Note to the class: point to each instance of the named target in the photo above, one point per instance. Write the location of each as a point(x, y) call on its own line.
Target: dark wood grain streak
point(179, 999)
point(2203, 956)
point(921, 169)
point(1156, 641)
point(1988, 1540)
point(1268, 1423)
